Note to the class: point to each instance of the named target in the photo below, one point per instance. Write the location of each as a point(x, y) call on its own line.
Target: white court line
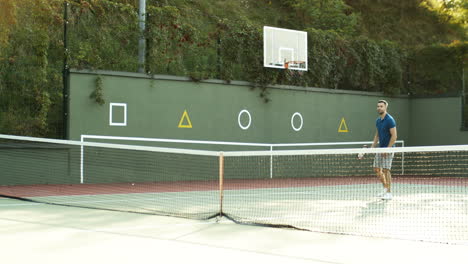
point(155, 226)
point(117, 231)
point(23, 204)
point(265, 192)
point(150, 226)
point(187, 196)
point(84, 202)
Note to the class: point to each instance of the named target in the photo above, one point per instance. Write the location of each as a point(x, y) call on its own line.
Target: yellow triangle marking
point(343, 127)
point(185, 116)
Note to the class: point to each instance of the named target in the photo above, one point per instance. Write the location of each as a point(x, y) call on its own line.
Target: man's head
point(382, 107)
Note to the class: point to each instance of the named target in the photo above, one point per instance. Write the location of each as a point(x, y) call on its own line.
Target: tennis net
point(328, 190)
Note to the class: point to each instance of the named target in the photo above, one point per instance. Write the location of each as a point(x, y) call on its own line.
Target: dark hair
point(383, 101)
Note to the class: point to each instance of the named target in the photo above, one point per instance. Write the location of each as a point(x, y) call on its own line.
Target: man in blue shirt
point(385, 137)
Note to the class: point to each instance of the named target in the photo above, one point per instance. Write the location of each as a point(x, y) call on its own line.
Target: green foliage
point(352, 63)
point(103, 35)
point(333, 15)
point(407, 22)
point(465, 112)
point(367, 69)
point(7, 20)
point(98, 95)
point(393, 46)
point(25, 94)
point(394, 59)
point(177, 47)
point(328, 58)
point(437, 69)
point(450, 11)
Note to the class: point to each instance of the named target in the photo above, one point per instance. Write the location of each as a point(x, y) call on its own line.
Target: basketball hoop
point(294, 65)
point(284, 48)
point(292, 74)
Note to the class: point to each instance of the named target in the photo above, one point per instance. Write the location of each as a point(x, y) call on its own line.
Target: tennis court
point(427, 212)
point(197, 198)
point(41, 233)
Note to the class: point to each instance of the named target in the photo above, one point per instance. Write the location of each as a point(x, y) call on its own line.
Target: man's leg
point(388, 182)
point(388, 179)
point(380, 174)
point(378, 168)
point(387, 165)
point(381, 177)
point(378, 171)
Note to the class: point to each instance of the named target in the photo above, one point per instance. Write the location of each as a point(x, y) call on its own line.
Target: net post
point(403, 159)
point(221, 183)
point(271, 162)
point(81, 160)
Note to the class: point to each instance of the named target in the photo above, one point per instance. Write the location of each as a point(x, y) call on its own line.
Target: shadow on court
point(372, 209)
point(57, 234)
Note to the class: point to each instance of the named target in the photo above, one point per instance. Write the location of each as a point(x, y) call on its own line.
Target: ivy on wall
point(98, 95)
point(104, 35)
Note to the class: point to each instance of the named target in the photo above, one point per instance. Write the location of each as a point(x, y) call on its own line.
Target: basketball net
point(293, 74)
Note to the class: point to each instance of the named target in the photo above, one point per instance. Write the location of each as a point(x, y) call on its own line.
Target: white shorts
point(383, 162)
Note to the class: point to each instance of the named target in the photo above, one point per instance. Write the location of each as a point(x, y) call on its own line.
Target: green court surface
point(86, 202)
point(43, 233)
point(419, 212)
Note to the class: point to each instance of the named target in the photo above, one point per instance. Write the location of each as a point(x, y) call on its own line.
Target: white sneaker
point(380, 195)
point(387, 196)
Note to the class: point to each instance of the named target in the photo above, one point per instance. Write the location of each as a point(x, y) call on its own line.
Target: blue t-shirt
point(383, 127)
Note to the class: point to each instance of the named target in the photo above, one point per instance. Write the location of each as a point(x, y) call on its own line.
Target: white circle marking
point(292, 121)
point(239, 119)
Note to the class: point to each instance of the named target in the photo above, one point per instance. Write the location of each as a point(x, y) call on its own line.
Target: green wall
point(155, 107)
point(29, 165)
point(437, 121)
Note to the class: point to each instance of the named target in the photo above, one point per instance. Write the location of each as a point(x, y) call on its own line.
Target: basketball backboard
point(284, 49)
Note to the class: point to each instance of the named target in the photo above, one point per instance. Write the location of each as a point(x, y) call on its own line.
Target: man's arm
point(376, 139)
point(393, 138)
